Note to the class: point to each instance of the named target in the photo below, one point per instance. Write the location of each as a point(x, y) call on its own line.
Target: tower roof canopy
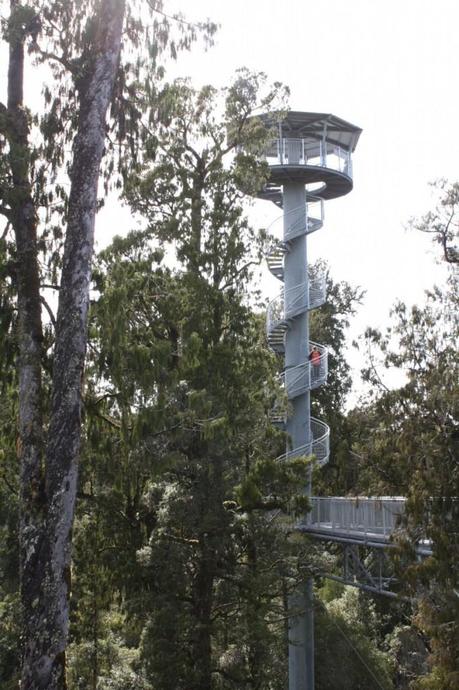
point(302, 125)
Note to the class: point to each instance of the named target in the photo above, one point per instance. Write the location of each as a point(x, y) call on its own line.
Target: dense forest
point(139, 545)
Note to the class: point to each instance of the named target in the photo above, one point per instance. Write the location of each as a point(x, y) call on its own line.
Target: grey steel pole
point(296, 297)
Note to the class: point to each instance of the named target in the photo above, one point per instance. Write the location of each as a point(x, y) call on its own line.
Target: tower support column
point(296, 298)
point(301, 638)
point(296, 302)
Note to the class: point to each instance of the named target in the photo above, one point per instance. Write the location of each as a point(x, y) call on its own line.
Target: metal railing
point(318, 446)
point(368, 517)
point(275, 251)
point(318, 153)
point(307, 376)
point(275, 313)
point(298, 299)
point(317, 290)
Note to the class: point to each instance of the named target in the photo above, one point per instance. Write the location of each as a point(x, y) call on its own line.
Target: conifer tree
point(408, 438)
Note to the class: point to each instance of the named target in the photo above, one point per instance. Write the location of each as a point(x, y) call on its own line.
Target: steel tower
point(310, 162)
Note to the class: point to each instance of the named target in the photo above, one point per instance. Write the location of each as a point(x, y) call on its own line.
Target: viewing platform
point(310, 148)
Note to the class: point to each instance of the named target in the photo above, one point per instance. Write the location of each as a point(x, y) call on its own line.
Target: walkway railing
point(314, 219)
point(359, 516)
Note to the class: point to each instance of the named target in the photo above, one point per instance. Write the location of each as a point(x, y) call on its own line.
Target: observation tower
point(310, 162)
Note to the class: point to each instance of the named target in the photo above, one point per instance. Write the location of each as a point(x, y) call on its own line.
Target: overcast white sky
point(389, 67)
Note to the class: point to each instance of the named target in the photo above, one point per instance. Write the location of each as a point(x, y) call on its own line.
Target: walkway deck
point(364, 519)
point(357, 520)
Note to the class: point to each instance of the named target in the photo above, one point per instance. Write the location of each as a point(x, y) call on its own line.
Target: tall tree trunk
point(23, 218)
point(202, 640)
point(48, 617)
point(256, 643)
point(210, 505)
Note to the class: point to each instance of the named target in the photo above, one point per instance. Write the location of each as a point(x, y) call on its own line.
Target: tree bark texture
point(46, 572)
point(256, 643)
point(212, 519)
point(24, 222)
point(22, 215)
point(202, 639)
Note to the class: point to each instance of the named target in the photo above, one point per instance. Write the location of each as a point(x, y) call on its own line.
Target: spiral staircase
point(309, 162)
point(301, 299)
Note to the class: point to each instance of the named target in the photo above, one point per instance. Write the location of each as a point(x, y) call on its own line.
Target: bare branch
point(52, 318)
point(6, 230)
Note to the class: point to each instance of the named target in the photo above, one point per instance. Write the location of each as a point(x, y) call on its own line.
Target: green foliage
point(182, 371)
point(9, 639)
point(35, 165)
point(9, 518)
point(59, 37)
point(328, 325)
point(347, 655)
point(442, 221)
point(346, 659)
point(409, 440)
point(118, 666)
point(408, 652)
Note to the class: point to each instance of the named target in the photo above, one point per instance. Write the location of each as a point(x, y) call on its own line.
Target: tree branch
point(52, 56)
point(49, 310)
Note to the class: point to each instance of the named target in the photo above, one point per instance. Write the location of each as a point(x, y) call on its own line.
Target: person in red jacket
point(314, 358)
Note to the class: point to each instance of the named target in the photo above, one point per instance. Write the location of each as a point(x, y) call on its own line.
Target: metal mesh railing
point(293, 302)
point(317, 290)
point(298, 299)
point(318, 446)
point(364, 516)
point(308, 375)
point(312, 221)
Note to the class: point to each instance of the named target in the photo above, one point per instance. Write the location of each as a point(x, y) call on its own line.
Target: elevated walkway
point(362, 518)
point(370, 521)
